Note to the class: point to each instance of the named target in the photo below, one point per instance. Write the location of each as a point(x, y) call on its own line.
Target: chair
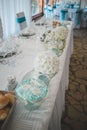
point(78, 18)
point(21, 20)
point(64, 14)
point(84, 18)
point(50, 11)
point(1, 30)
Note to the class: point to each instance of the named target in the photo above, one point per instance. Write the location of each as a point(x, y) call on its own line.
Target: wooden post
point(41, 3)
point(51, 2)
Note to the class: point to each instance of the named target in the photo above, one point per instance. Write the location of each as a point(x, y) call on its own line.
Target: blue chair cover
point(76, 6)
point(54, 6)
point(85, 9)
point(50, 12)
point(64, 14)
point(78, 18)
point(21, 20)
point(58, 5)
point(45, 11)
point(66, 6)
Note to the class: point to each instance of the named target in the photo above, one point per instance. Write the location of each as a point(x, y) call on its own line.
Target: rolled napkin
point(26, 34)
point(41, 22)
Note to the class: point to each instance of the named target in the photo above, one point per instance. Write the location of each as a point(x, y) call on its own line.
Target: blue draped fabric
point(21, 20)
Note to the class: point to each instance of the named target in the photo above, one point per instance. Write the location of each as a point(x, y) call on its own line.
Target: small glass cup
point(12, 83)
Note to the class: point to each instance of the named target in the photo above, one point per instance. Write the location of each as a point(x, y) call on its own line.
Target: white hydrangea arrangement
point(58, 34)
point(47, 63)
point(56, 47)
point(55, 40)
point(61, 33)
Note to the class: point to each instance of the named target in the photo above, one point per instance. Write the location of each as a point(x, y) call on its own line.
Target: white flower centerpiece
point(55, 40)
point(47, 63)
point(61, 33)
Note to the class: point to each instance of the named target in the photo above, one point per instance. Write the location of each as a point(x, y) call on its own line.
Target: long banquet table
point(48, 115)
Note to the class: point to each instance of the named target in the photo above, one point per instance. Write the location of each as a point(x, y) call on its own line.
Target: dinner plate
point(32, 90)
point(26, 35)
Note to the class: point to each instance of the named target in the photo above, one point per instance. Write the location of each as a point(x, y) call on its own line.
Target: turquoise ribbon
point(21, 20)
point(64, 11)
point(54, 6)
point(71, 6)
point(50, 10)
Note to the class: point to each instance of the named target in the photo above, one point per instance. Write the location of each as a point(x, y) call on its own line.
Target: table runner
point(48, 115)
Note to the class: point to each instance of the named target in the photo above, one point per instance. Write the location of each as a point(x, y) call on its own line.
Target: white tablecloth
point(48, 115)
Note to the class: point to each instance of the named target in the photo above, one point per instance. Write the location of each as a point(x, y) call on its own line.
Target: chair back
point(21, 20)
point(64, 14)
point(1, 30)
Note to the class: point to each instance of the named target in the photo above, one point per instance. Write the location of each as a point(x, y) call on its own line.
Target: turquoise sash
point(21, 20)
